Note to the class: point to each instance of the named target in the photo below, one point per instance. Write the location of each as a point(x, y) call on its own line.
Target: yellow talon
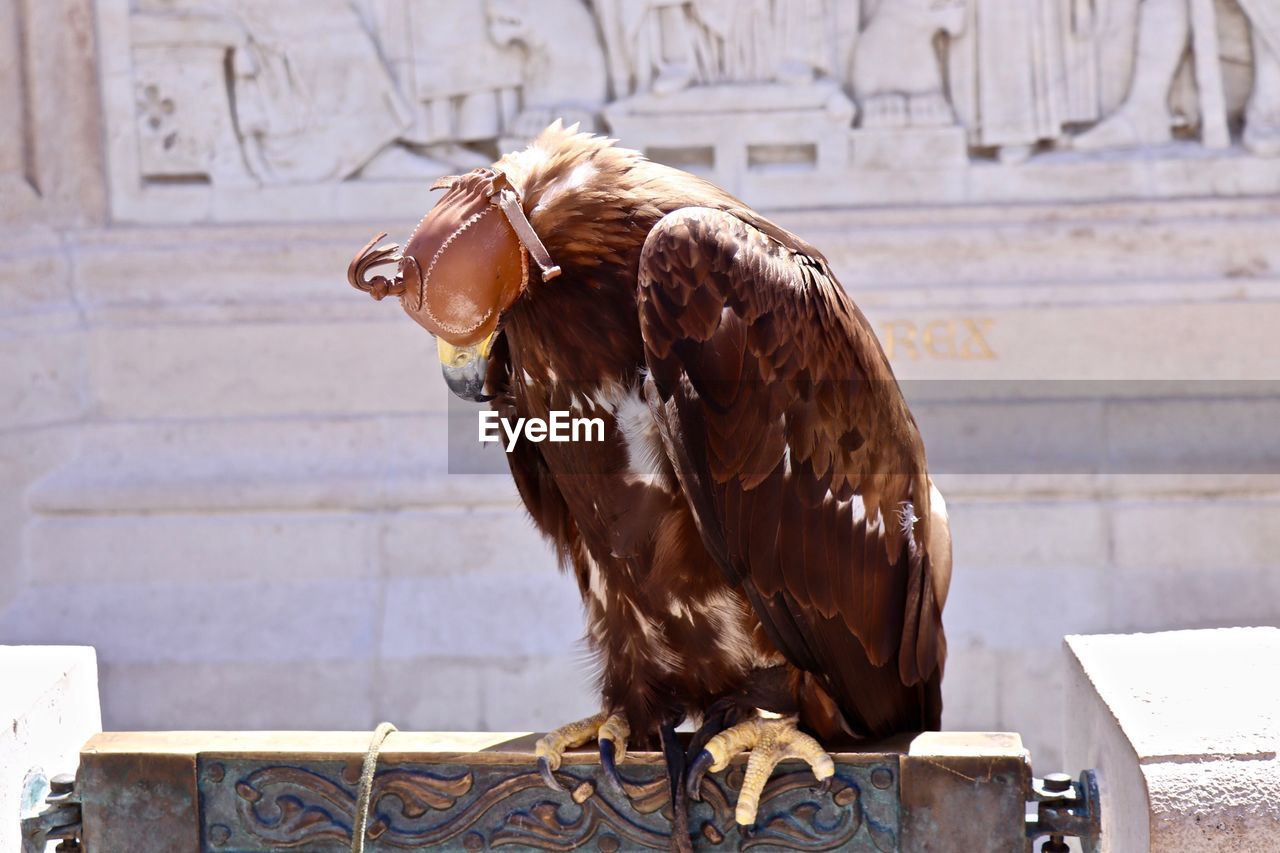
point(771, 741)
point(610, 730)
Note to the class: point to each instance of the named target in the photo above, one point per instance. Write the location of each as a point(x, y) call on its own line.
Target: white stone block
point(971, 689)
point(1031, 703)
point(260, 621)
point(1184, 563)
point(486, 614)
point(1027, 534)
point(285, 369)
point(1014, 607)
point(1203, 250)
point(179, 548)
point(244, 465)
point(296, 269)
point(1211, 428)
point(25, 456)
point(929, 148)
point(43, 380)
point(35, 277)
point(1039, 347)
point(538, 693)
point(48, 709)
point(1182, 728)
point(1001, 434)
point(431, 693)
point(449, 541)
point(1201, 597)
point(1167, 534)
point(317, 695)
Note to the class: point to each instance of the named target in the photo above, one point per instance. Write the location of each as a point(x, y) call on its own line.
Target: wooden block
point(962, 791)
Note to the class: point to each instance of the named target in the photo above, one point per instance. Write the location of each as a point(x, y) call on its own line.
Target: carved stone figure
point(556, 83)
point(653, 45)
point(664, 46)
point(461, 87)
point(1013, 85)
point(897, 74)
point(313, 99)
point(1165, 30)
point(767, 40)
point(1262, 119)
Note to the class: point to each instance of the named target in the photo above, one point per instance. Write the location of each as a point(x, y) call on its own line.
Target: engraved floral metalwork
point(252, 805)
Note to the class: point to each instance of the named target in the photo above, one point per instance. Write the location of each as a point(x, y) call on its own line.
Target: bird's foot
point(771, 739)
point(610, 730)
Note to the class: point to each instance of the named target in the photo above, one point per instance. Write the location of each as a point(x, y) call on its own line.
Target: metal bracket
point(1065, 807)
point(60, 820)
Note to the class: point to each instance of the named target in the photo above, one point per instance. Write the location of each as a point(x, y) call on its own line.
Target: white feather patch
point(646, 458)
point(578, 176)
point(725, 614)
point(596, 583)
point(906, 522)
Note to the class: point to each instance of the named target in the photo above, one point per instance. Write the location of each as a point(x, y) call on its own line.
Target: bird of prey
point(758, 544)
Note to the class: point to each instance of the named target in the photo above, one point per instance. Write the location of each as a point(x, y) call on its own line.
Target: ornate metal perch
point(241, 792)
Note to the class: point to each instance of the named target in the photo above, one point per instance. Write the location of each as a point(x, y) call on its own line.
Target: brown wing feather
point(798, 456)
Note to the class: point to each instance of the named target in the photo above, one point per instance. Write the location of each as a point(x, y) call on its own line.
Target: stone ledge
point(1183, 728)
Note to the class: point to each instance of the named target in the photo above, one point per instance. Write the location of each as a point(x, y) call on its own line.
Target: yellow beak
point(465, 368)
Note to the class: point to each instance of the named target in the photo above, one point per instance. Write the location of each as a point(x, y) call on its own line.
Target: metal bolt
point(882, 777)
point(1058, 783)
point(219, 834)
point(63, 783)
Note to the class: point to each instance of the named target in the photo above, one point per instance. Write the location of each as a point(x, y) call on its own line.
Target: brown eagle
point(758, 544)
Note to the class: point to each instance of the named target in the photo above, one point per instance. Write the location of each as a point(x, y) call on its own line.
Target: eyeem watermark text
point(560, 426)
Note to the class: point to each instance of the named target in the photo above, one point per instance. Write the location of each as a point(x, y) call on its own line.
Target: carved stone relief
point(18, 181)
point(1166, 32)
point(234, 105)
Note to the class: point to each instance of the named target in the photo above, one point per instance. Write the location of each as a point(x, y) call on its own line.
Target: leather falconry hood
point(464, 264)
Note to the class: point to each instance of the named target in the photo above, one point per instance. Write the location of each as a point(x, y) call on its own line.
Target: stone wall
point(218, 466)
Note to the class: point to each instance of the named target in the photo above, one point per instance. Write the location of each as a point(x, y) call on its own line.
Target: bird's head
point(464, 265)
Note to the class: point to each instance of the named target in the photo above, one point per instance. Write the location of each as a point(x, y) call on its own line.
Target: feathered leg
point(674, 754)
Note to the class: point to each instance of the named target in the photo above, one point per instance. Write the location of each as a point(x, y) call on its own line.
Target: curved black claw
point(544, 770)
point(699, 768)
point(609, 764)
point(823, 787)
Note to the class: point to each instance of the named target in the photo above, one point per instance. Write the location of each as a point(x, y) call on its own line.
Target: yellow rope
point(361, 823)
